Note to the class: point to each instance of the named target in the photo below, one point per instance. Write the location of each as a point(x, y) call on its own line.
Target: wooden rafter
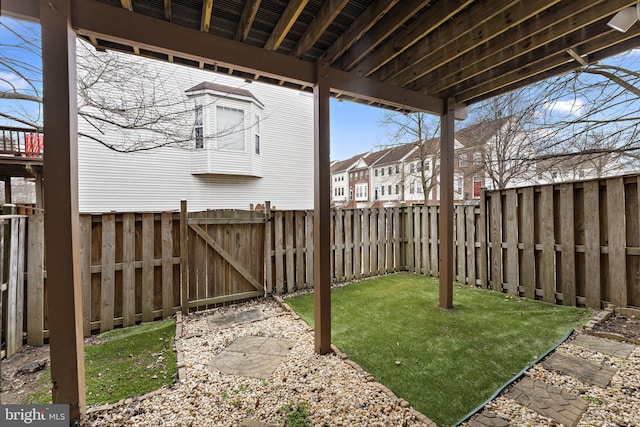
point(323, 19)
point(389, 23)
point(360, 26)
point(167, 10)
point(471, 27)
point(205, 20)
point(552, 62)
point(543, 30)
point(287, 19)
point(575, 55)
point(425, 24)
point(246, 19)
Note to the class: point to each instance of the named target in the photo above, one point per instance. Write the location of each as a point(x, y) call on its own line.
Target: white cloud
point(572, 107)
point(11, 81)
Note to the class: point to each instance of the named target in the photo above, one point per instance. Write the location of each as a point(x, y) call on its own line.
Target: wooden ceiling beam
point(22, 9)
point(543, 30)
point(389, 23)
point(448, 44)
point(572, 53)
point(317, 27)
point(547, 58)
point(205, 20)
point(246, 19)
point(357, 29)
point(287, 19)
point(415, 32)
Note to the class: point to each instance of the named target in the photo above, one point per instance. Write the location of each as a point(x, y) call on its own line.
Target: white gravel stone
point(337, 394)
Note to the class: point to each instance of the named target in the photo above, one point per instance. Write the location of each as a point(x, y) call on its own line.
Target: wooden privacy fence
point(574, 243)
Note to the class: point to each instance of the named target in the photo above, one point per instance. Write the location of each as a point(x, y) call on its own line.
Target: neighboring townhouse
point(388, 178)
point(404, 173)
point(340, 179)
point(246, 143)
point(576, 167)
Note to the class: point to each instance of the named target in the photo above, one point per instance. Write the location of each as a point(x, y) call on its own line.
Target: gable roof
point(396, 154)
point(345, 165)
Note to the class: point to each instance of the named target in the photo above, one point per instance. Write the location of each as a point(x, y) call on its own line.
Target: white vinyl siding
point(157, 180)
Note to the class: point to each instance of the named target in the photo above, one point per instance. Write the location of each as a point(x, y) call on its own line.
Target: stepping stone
point(613, 348)
point(250, 422)
point(584, 370)
point(547, 400)
point(227, 320)
point(255, 357)
point(488, 419)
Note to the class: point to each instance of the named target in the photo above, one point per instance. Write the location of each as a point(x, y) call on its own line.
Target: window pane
point(230, 134)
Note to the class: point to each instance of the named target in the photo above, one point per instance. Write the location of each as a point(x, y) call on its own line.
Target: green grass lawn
point(125, 363)
point(445, 363)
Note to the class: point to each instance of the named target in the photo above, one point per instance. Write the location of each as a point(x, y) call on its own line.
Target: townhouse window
point(382, 190)
point(462, 160)
point(419, 188)
point(459, 185)
point(397, 189)
point(381, 171)
point(412, 187)
point(230, 135)
point(389, 189)
point(360, 175)
point(375, 172)
point(199, 127)
point(412, 168)
point(477, 158)
point(438, 162)
point(418, 166)
point(257, 134)
point(397, 169)
point(366, 174)
point(390, 170)
point(350, 193)
point(554, 174)
point(427, 165)
point(375, 194)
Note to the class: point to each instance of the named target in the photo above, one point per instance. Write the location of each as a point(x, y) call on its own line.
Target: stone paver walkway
point(610, 347)
point(584, 370)
point(228, 320)
point(550, 401)
point(255, 357)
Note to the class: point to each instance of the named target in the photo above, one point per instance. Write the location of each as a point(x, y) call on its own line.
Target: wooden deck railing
point(21, 142)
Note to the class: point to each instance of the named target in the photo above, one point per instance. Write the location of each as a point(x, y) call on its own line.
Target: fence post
point(184, 258)
point(267, 247)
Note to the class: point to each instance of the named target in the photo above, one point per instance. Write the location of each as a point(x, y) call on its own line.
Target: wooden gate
point(222, 257)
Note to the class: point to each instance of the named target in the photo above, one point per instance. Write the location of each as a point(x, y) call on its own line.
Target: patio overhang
point(412, 55)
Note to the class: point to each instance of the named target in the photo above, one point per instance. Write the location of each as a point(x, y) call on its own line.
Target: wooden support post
point(322, 213)
point(7, 190)
point(62, 220)
point(445, 260)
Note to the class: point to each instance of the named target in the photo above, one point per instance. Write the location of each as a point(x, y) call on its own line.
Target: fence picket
point(617, 242)
point(147, 267)
point(568, 247)
point(128, 269)
point(85, 269)
point(35, 280)
point(512, 242)
point(108, 279)
point(527, 276)
point(547, 269)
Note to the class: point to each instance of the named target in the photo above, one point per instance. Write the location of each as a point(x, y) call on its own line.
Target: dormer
point(226, 131)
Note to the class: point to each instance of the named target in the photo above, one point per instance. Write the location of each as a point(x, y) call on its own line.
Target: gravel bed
point(337, 394)
point(616, 405)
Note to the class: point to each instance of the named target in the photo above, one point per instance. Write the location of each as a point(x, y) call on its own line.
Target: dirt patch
point(16, 386)
point(627, 326)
